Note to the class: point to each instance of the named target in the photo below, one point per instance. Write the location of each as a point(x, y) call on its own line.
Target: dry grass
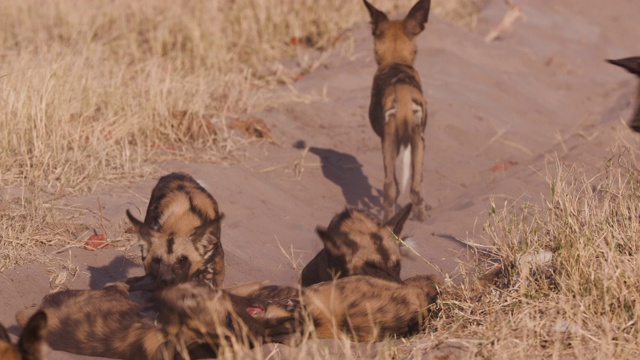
point(583, 303)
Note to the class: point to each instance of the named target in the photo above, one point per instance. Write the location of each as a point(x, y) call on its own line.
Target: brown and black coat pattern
point(180, 235)
point(32, 340)
point(359, 308)
point(181, 321)
point(632, 64)
point(103, 322)
point(357, 243)
point(398, 110)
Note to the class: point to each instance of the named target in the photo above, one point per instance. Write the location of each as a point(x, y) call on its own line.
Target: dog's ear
point(138, 225)
point(631, 64)
point(396, 223)
point(418, 16)
point(377, 18)
point(144, 234)
point(334, 243)
point(32, 340)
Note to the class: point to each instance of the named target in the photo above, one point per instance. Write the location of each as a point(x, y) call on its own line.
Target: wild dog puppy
point(357, 243)
point(31, 344)
point(632, 64)
point(180, 235)
point(360, 308)
point(182, 321)
point(398, 110)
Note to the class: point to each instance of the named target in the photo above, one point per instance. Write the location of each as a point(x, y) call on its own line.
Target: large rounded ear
point(418, 16)
point(377, 17)
point(137, 224)
point(324, 235)
point(33, 336)
point(208, 228)
point(631, 64)
point(328, 240)
point(397, 221)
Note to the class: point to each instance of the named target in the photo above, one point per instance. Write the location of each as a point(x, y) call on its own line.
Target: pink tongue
point(253, 310)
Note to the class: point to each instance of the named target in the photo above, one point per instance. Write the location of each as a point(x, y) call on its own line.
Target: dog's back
point(101, 322)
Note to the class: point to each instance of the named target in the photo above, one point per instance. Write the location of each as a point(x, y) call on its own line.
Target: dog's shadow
point(118, 269)
point(345, 171)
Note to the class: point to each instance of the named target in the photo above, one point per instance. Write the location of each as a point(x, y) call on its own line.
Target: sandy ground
point(539, 91)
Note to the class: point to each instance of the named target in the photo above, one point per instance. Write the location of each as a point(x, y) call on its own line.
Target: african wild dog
point(632, 64)
point(398, 110)
point(219, 319)
point(32, 341)
point(103, 323)
point(360, 308)
point(356, 243)
point(181, 321)
point(180, 235)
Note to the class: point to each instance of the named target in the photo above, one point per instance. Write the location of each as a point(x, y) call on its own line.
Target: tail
point(405, 166)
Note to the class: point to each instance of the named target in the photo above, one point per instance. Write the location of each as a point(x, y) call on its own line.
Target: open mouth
point(255, 309)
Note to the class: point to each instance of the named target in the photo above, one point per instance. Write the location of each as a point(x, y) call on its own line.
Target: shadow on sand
point(345, 171)
point(117, 269)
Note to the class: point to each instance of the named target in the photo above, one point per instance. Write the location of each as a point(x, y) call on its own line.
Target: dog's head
point(394, 40)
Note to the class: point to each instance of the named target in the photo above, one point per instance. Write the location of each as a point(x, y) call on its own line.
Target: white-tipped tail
point(405, 166)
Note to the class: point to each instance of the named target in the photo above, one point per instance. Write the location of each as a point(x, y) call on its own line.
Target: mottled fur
point(632, 64)
point(32, 340)
point(360, 308)
point(357, 243)
point(180, 235)
point(182, 321)
point(398, 110)
point(220, 318)
point(103, 323)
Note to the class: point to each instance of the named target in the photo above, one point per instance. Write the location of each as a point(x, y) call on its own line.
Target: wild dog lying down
point(632, 64)
point(356, 243)
point(180, 235)
point(183, 321)
point(31, 344)
point(220, 318)
point(360, 308)
point(398, 110)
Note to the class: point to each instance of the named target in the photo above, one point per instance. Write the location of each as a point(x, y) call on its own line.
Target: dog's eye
point(183, 259)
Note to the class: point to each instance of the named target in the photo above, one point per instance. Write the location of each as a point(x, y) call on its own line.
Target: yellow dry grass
point(571, 280)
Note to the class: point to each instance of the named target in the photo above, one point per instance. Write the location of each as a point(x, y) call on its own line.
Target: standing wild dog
point(191, 319)
point(180, 235)
point(632, 64)
point(32, 341)
point(398, 110)
point(360, 308)
point(356, 243)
